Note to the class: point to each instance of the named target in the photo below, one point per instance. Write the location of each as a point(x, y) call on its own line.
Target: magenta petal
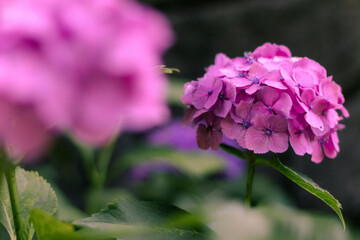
point(275, 84)
point(252, 89)
point(223, 108)
point(331, 91)
point(243, 109)
point(216, 139)
point(304, 78)
point(259, 109)
point(218, 85)
point(273, 80)
point(308, 96)
point(241, 82)
point(278, 142)
point(229, 91)
point(230, 128)
point(345, 112)
point(261, 121)
point(277, 124)
point(314, 120)
point(241, 138)
point(268, 96)
point(257, 70)
point(256, 140)
point(203, 137)
point(229, 72)
point(317, 154)
point(329, 149)
point(269, 50)
point(222, 60)
point(22, 132)
point(283, 105)
point(200, 97)
point(190, 114)
point(285, 71)
point(299, 143)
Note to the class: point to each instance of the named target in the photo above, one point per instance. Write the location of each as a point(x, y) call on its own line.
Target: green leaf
point(306, 184)
point(145, 220)
point(49, 228)
point(197, 164)
point(300, 179)
point(34, 192)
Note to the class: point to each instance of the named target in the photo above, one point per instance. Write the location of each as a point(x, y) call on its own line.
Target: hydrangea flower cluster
point(83, 67)
point(265, 100)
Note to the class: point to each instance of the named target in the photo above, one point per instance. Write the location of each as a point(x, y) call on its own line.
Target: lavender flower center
point(311, 107)
point(299, 132)
point(281, 79)
point(245, 124)
point(242, 74)
point(269, 108)
point(324, 112)
point(255, 80)
point(210, 91)
point(269, 131)
point(247, 54)
point(322, 141)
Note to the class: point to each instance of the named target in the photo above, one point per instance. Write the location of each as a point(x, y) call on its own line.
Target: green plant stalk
point(14, 199)
point(250, 178)
point(96, 170)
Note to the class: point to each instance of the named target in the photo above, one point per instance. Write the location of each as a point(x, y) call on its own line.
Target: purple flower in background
point(143, 171)
point(184, 138)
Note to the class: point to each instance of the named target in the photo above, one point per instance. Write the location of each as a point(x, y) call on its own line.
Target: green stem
point(14, 199)
point(250, 177)
point(96, 170)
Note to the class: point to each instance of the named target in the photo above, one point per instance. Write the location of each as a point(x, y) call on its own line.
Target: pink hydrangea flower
point(88, 68)
point(278, 99)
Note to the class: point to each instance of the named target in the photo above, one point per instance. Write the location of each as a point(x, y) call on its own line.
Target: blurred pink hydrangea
point(84, 67)
point(266, 99)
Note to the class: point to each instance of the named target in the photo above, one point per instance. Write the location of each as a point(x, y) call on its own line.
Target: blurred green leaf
point(49, 228)
point(197, 164)
point(176, 91)
point(145, 220)
point(232, 220)
point(34, 192)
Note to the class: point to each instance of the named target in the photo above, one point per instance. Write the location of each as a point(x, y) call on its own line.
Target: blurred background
point(165, 165)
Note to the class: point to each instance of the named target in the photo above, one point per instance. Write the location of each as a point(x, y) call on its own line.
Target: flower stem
point(14, 198)
point(96, 169)
point(250, 177)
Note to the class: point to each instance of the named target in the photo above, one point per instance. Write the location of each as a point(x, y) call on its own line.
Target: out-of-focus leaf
point(232, 220)
point(34, 192)
point(197, 164)
point(145, 220)
point(176, 91)
point(49, 228)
